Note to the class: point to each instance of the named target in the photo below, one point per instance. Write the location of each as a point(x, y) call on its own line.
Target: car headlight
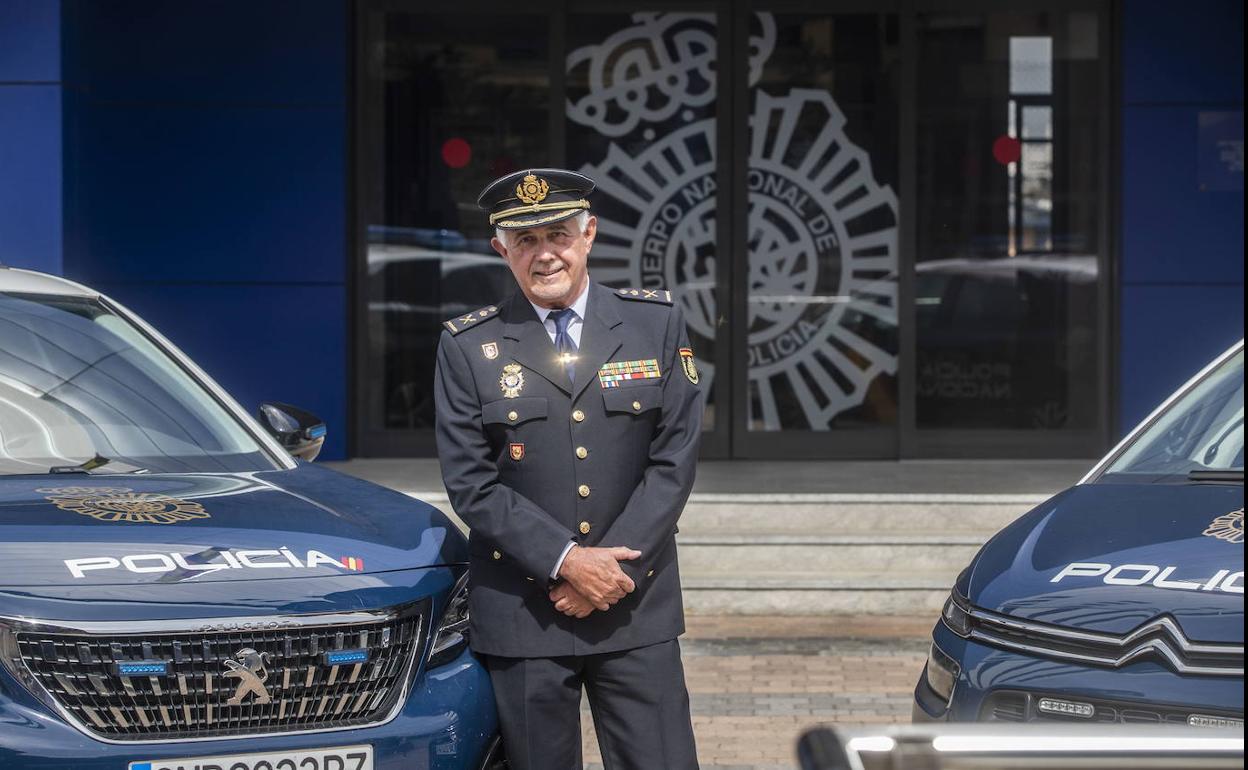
point(942, 673)
point(957, 614)
point(11, 662)
point(451, 636)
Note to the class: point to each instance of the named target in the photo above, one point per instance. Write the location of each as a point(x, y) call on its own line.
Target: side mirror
point(301, 433)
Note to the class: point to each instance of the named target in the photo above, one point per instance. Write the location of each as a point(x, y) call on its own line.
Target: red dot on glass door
point(456, 152)
point(1007, 150)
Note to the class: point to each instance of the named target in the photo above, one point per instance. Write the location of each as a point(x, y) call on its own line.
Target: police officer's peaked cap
point(536, 196)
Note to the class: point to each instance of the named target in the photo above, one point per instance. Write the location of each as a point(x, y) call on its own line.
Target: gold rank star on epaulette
point(468, 320)
point(662, 296)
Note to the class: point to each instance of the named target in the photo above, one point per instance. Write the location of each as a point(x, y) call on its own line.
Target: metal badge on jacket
point(512, 381)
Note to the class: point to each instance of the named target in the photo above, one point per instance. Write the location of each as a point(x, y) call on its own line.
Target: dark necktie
point(563, 341)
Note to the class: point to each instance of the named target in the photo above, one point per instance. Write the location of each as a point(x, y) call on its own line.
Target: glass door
point(644, 120)
point(446, 103)
point(747, 161)
point(1012, 231)
point(818, 325)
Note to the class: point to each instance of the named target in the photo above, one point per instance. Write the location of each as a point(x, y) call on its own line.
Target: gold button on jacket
point(582, 452)
point(585, 527)
point(578, 415)
point(583, 490)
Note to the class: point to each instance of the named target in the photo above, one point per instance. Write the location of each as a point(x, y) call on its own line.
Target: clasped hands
point(592, 579)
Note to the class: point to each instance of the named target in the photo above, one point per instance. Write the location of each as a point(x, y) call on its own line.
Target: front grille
point(316, 673)
point(1160, 640)
point(1017, 706)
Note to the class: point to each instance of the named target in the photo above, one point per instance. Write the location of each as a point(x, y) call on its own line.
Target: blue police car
point(1120, 600)
point(180, 591)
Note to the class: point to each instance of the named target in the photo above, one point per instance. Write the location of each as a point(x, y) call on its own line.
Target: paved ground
point(757, 682)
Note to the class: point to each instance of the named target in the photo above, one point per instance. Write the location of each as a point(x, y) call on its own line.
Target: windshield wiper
point(1224, 475)
point(90, 465)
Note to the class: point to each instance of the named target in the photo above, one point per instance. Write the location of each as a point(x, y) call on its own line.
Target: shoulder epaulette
point(662, 296)
point(468, 320)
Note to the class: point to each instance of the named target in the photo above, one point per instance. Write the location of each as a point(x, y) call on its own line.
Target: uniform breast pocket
point(513, 411)
point(635, 400)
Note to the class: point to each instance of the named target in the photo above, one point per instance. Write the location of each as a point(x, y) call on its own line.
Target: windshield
point(81, 388)
point(1202, 431)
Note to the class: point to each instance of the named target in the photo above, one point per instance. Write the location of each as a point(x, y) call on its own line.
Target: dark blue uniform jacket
point(534, 461)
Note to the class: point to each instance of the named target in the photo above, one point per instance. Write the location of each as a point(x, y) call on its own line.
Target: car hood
point(1109, 557)
point(83, 531)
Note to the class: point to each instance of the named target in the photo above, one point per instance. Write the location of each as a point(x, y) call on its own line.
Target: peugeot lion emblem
point(248, 666)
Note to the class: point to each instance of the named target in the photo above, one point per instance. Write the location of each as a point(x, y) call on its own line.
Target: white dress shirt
point(574, 331)
point(574, 326)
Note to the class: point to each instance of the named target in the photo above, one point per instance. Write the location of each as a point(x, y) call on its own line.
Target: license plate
point(341, 758)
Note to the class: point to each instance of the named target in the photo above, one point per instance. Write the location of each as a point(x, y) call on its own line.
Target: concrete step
point(817, 593)
point(826, 553)
point(835, 514)
point(814, 596)
point(850, 513)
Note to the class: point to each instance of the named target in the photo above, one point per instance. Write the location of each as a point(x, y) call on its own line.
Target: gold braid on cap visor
point(534, 208)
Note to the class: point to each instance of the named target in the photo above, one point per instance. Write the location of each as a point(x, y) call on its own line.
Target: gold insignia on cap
point(1228, 527)
point(490, 350)
point(532, 189)
point(124, 505)
point(512, 381)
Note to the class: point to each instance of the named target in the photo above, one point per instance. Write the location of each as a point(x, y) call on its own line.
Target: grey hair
point(581, 219)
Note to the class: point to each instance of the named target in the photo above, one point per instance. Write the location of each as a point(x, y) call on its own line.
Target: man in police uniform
point(568, 421)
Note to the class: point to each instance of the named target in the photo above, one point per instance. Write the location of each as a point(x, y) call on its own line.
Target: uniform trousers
point(637, 697)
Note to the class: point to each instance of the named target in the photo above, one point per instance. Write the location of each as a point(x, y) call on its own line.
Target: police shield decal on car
point(1229, 527)
point(125, 505)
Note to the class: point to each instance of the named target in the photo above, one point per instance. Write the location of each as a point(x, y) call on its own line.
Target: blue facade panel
point(31, 224)
point(30, 161)
point(1169, 333)
point(226, 52)
point(260, 342)
point(206, 185)
point(211, 193)
point(30, 41)
point(1182, 239)
point(1188, 53)
point(1174, 232)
